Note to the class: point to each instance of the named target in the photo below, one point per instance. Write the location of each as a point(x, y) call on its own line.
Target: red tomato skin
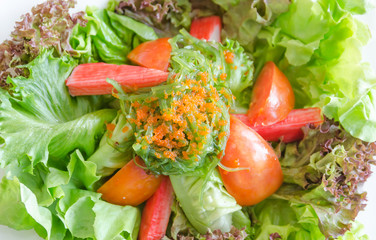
point(131, 185)
point(156, 213)
point(246, 149)
point(153, 54)
point(272, 97)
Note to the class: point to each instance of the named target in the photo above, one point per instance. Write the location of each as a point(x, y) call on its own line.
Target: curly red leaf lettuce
point(326, 170)
point(48, 25)
point(165, 16)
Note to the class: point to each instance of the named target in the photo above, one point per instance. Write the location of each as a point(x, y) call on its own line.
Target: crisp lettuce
point(181, 228)
point(54, 157)
point(243, 20)
point(108, 37)
point(46, 136)
point(320, 54)
point(40, 114)
point(289, 220)
point(115, 148)
point(73, 213)
point(12, 209)
point(179, 223)
point(205, 202)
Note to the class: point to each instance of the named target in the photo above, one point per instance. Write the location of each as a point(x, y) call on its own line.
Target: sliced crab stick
point(90, 78)
point(208, 28)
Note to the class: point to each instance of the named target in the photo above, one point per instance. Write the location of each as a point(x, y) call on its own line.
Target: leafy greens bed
point(57, 150)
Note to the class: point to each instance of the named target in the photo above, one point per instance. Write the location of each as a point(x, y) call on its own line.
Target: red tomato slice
point(272, 98)
point(246, 149)
point(156, 213)
point(208, 28)
point(131, 185)
point(153, 54)
point(289, 129)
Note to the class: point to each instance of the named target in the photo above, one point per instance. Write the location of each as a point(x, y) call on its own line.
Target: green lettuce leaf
point(72, 212)
point(108, 37)
point(86, 216)
point(12, 209)
point(46, 136)
point(226, 4)
point(288, 220)
point(40, 115)
point(244, 19)
point(181, 228)
point(205, 202)
point(321, 56)
point(115, 148)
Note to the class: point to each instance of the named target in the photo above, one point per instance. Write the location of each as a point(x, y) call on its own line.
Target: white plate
point(11, 10)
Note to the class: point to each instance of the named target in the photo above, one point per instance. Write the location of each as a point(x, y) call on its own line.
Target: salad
point(177, 119)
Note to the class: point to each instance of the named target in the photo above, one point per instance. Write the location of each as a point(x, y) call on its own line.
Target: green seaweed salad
point(57, 151)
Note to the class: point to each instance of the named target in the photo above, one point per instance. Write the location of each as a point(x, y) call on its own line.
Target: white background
point(11, 10)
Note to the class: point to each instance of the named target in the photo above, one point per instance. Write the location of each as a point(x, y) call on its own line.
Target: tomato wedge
point(272, 97)
point(153, 54)
point(289, 129)
point(156, 213)
point(208, 28)
point(131, 185)
point(263, 174)
point(90, 78)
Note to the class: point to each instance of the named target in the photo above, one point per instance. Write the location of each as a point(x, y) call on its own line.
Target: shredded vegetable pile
point(222, 119)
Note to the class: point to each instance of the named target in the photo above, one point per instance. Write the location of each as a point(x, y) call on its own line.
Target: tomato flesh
point(272, 97)
point(153, 54)
point(131, 185)
point(246, 149)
